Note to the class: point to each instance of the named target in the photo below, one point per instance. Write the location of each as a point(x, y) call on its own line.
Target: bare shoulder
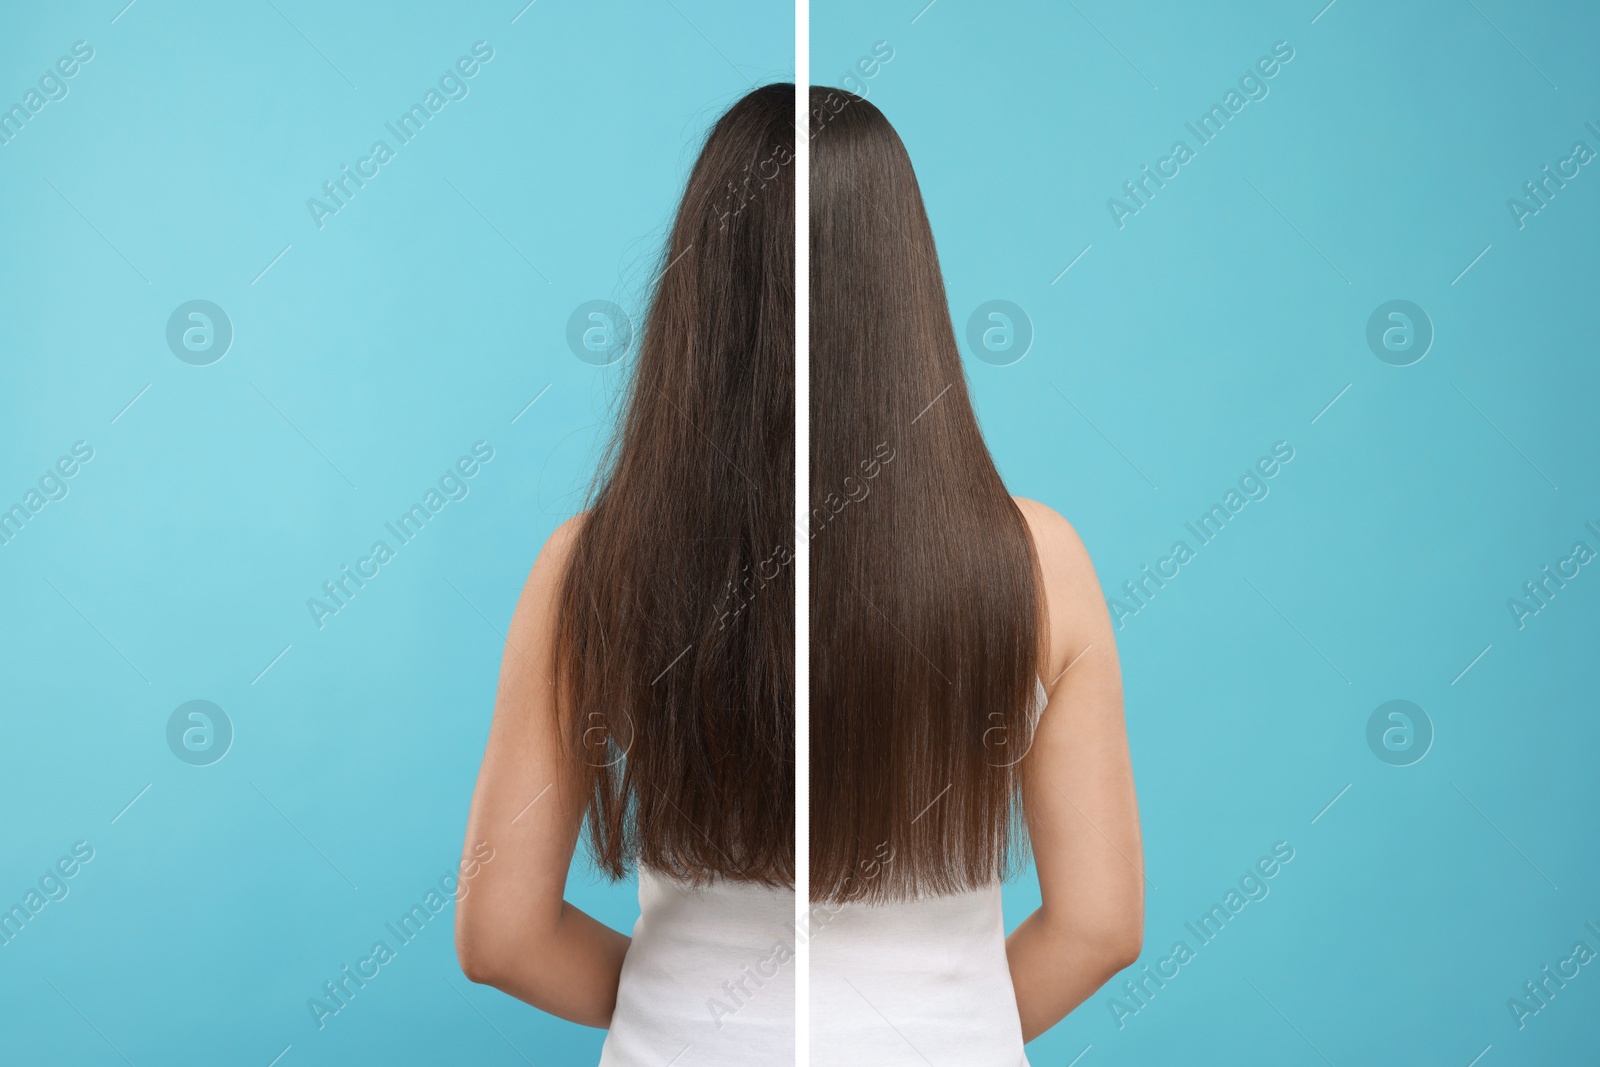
point(558, 546)
point(1073, 601)
point(1060, 549)
point(540, 593)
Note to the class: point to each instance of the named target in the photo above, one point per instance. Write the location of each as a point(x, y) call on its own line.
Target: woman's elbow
point(1103, 945)
point(478, 950)
point(1122, 950)
point(475, 963)
point(496, 943)
point(1122, 936)
point(1114, 946)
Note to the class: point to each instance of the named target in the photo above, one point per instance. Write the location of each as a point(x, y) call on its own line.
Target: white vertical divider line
point(802, 555)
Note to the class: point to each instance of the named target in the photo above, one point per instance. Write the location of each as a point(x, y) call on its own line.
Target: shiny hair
point(675, 640)
point(926, 619)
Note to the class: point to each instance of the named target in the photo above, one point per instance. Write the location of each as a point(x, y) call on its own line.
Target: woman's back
point(709, 978)
point(916, 981)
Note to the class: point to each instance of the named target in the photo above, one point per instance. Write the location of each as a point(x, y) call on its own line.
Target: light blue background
point(1203, 332)
point(372, 354)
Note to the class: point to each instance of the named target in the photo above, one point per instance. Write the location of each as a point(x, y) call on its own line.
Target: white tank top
point(708, 980)
point(915, 982)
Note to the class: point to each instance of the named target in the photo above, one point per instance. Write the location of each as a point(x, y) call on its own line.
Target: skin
point(514, 930)
point(1078, 798)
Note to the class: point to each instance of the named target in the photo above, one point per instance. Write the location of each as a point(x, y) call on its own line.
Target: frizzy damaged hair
point(926, 618)
point(675, 639)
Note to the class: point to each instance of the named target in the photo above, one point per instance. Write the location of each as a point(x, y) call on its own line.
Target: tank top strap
point(1041, 697)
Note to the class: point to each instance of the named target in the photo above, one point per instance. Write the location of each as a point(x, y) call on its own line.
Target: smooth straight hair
point(675, 641)
point(926, 614)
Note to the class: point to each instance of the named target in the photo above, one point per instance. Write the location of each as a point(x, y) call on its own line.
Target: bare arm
point(513, 929)
point(1078, 798)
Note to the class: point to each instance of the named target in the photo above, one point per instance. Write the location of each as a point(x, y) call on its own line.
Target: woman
point(648, 680)
point(944, 614)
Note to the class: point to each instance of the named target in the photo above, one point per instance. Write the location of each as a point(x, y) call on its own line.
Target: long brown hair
point(926, 624)
point(675, 643)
